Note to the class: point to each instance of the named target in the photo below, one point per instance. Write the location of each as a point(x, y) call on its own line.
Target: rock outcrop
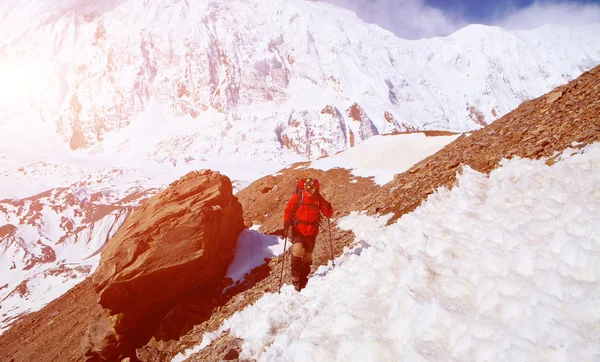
point(181, 239)
point(363, 126)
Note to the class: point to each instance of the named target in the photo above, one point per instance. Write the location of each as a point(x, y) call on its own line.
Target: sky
point(416, 19)
point(503, 267)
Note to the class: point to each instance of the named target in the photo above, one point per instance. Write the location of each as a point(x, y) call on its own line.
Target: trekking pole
point(330, 242)
point(283, 260)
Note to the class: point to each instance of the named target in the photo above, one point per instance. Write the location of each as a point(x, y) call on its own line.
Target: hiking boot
point(296, 282)
point(300, 270)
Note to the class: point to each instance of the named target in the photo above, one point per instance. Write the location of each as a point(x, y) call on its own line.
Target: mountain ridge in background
point(303, 77)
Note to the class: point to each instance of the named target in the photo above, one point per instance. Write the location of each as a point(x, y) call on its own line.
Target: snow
point(252, 249)
point(43, 287)
point(381, 157)
point(504, 267)
point(154, 151)
point(252, 68)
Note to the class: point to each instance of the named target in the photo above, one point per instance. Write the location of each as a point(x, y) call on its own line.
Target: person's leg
point(308, 247)
point(298, 261)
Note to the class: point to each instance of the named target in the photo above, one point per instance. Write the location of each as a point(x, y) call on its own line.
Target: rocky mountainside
point(568, 117)
point(260, 79)
point(180, 240)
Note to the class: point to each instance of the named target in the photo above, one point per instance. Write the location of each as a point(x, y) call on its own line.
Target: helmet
point(311, 183)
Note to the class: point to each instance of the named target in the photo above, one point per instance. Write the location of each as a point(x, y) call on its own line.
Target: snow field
point(382, 157)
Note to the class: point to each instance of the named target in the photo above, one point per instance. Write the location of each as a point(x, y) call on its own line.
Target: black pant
point(302, 249)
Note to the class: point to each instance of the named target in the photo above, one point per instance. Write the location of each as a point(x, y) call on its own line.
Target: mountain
point(144, 92)
point(51, 241)
point(518, 259)
point(532, 276)
point(262, 80)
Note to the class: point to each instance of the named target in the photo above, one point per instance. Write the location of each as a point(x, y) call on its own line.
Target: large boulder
point(179, 240)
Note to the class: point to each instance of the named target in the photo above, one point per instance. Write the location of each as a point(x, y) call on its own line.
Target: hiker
point(302, 216)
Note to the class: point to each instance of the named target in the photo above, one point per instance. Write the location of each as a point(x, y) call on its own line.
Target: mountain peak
point(478, 30)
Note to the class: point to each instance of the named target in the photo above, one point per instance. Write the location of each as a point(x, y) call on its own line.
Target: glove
point(286, 225)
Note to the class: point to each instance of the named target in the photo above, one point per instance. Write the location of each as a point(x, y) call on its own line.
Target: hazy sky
point(414, 19)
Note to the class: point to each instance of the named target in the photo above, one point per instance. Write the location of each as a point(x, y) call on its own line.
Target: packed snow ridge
point(502, 267)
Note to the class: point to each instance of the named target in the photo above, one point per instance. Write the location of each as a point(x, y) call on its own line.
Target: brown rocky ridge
point(569, 116)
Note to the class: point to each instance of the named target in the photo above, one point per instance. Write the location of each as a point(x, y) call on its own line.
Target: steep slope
point(187, 83)
point(567, 117)
point(258, 79)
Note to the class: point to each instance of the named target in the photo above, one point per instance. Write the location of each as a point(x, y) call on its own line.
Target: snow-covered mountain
point(146, 91)
point(256, 79)
point(52, 241)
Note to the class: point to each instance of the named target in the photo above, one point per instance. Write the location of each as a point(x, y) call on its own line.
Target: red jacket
point(305, 217)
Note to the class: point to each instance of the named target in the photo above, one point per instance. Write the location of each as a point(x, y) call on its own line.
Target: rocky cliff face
point(179, 240)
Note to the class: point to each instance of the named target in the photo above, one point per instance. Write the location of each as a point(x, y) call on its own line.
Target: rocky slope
point(569, 116)
point(179, 241)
